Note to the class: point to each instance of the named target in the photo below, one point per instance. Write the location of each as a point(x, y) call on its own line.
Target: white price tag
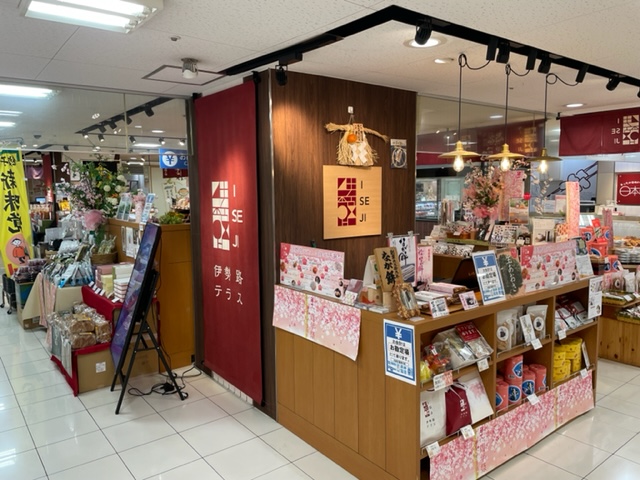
point(536, 344)
point(533, 399)
point(584, 372)
point(562, 334)
point(467, 432)
point(433, 449)
point(438, 382)
point(483, 365)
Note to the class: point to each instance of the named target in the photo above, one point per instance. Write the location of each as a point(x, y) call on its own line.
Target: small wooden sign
point(388, 267)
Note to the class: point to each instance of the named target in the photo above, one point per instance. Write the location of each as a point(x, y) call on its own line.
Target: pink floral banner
point(326, 322)
point(455, 461)
point(573, 208)
point(574, 398)
point(539, 420)
point(500, 440)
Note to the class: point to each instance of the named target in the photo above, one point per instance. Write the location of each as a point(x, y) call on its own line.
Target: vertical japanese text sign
point(15, 228)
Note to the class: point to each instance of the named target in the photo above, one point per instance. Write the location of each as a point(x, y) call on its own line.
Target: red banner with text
point(599, 133)
point(227, 162)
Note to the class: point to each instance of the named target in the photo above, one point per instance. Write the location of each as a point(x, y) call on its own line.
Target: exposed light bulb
point(543, 167)
point(458, 163)
point(505, 164)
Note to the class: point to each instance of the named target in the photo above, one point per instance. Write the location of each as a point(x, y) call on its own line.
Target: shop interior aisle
point(46, 433)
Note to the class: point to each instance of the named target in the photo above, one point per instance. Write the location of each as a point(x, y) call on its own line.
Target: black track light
point(132, 139)
point(112, 124)
point(101, 137)
point(613, 83)
point(281, 75)
point(638, 93)
point(182, 141)
point(101, 128)
point(161, 141)
point(66, 148)
point(148, 111)
point(129, 120)
point(423, 32)
point(531, 58)
point(85, 134)
point(504, 49)
point(545, 64)
point(491, 48)
point(582, 72)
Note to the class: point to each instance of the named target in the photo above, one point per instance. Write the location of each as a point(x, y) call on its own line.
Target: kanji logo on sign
point(630, 129)
point(173, 159)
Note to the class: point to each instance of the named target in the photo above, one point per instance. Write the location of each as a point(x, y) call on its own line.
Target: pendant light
point(459, 154)
point(544, 158)
point(505, 157)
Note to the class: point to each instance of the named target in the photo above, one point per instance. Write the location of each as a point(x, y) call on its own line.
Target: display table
point(619, 337)
point(368, 422)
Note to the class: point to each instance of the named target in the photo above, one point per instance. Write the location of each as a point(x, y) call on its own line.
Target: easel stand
point(141, 345)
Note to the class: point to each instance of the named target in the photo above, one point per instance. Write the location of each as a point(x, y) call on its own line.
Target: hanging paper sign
point(173, 158)
point(488, 275)
point(352, 199)
point(15, 227)
point(398, 153)
point(595, 297)
point(406, 245)
point(628, 189)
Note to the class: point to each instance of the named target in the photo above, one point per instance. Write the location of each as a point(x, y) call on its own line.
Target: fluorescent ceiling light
point(20, 91)
point(7, 124)
point(495, 117)
point(157, 131)
point(146, 145)
point(137, 126)
point(115, 15)
point(574, 105)
point(443, 60)
point(9, 113)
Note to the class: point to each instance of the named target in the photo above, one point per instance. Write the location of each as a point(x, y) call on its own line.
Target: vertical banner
point(227, 161)
point(15, 228)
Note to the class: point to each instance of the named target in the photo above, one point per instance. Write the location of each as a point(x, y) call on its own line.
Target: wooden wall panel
point(303, 377)
point(284, 364)
point(323, 389)
point(346, 401)
point(301, 146)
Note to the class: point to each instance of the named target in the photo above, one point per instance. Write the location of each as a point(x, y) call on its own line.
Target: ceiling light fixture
point(613, 83)
point(101, 137)
point(161, 141)
point(189, 68)
point(101, 128)
point(281, 74)
point(574, 105)
point(443, 60)
point(9, 113)
point(95, 116)
point(459, 154)
point(146, 145)
point(505, 157)
point(85, 134)
point(545, 64)
point(148, 111)
point(129, 120)
point(22, 91)
point(544, 158)
point(423, 32)
point(182, 141)
point(492, 47)
point(157, 131)
point(65, 148)
point(132, 139)
point(115, 15)
point(112, 124)
point(496, 117)
point(7, 124)
point(582, 73)
point(504, 50)
point(531, 58)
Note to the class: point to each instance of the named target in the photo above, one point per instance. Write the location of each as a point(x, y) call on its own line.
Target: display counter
point(620, 336)
point(369, 423)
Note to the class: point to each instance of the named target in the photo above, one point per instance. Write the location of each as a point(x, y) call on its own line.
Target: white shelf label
point(433, 449)
point(443, 380)
point(536, 344)
point(483, 365)
point(562, 334)
point(584, 372)
point(533, 399)
point(467, 432)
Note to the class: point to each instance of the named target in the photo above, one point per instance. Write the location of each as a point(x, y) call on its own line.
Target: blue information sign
point(173, 158)
point(489, 278)
point(399, 351)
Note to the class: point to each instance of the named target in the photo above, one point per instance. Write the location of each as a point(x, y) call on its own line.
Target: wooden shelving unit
point(369, 422)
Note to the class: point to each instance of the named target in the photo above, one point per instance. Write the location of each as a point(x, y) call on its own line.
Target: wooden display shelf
point(521, 349)
point(457, 373)
point(571, 376)
point(369, 422)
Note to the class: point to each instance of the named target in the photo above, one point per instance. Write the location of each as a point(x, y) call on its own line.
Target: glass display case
point(427, 204)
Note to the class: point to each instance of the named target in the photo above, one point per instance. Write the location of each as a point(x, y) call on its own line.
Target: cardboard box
point(96, 370)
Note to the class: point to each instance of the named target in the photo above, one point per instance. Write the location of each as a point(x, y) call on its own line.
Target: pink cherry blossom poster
point(456, 461)
point(500, 440)
point(573, 208)
point(539, 420)
point(326, 322)
point(312, 269)
point(574, 398)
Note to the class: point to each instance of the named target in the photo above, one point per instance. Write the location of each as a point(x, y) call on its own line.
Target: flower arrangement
point(483, 187)
point(97, 188)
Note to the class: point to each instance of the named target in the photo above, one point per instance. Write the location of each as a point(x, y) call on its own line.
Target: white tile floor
point(47, 433)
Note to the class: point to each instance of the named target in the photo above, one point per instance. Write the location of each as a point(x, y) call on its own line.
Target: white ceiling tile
point(21, 66)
